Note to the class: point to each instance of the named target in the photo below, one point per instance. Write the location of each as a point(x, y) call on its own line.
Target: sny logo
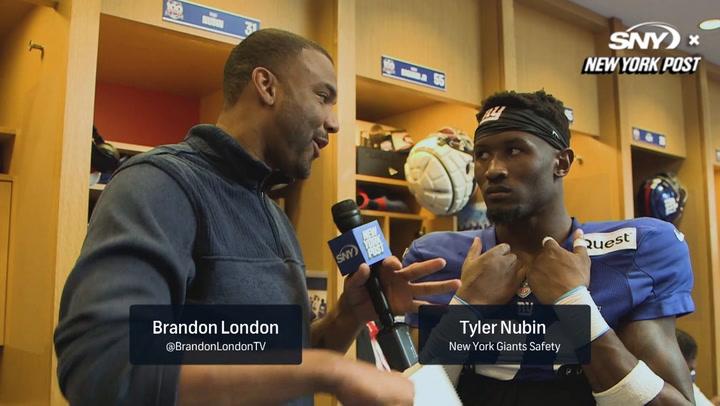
point(347, 252)
point(630, 39)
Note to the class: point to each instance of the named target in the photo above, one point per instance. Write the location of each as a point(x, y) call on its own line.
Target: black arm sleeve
point(138, 250)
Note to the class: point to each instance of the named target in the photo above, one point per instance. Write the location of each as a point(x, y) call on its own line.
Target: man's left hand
point(398, 285)
point(556, 270)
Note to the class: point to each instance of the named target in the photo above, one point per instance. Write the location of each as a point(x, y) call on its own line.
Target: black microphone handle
point(394, 338)
point(346, 215)
point(379, 301)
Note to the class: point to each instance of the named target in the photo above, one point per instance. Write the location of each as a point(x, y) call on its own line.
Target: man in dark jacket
point(190, 223)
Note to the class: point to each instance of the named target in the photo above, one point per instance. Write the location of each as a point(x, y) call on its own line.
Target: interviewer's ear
point(265, 83)
point(563, 162)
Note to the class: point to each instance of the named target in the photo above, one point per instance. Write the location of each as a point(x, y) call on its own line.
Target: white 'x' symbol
point(694, 40)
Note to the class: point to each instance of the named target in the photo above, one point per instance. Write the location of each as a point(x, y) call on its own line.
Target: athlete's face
point(305, 114)
point(515, 172)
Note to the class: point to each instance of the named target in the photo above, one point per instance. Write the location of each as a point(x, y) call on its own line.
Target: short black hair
point(543, 104)
point(687, 344)
point(270, 48)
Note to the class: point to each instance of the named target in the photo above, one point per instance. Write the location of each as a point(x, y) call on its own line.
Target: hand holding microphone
point(384, 284)
point(398, 284)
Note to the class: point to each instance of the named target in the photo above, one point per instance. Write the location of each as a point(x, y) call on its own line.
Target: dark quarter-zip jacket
point(183, 223)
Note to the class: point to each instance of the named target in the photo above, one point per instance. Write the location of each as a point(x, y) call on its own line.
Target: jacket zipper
point(270, 218)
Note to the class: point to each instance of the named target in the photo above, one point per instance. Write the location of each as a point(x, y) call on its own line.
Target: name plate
point(649, 137)
point(209, 19)
point(410, 72)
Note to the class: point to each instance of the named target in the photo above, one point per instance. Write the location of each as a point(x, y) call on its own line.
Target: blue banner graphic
point(527, 334)
point(215, 334)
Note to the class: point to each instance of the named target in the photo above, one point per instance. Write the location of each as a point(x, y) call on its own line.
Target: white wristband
point(581, 296)
point(638, 387)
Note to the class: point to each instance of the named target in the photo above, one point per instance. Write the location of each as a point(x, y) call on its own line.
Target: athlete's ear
point(563, 162)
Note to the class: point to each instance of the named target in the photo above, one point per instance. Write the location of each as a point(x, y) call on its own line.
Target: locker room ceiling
point(685, 15)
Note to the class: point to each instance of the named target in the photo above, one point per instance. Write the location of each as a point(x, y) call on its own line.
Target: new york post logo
point(373, 242)
point(655, 36)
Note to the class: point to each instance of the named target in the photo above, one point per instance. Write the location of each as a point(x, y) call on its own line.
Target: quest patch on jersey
point(605, 243)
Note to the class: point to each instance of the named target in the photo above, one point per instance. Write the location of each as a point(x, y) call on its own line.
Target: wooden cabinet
point(550, 52)
point(443, 36)
point(7, 143)
point(402, 228)
point(655, 103)
point(298, 16)
point(47, 54)
point(5, 202)
point(418, 120)
point(714, 93)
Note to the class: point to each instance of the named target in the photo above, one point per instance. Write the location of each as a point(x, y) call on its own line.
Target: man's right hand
point(322, 371)
point(360, 383)
point(490, 277)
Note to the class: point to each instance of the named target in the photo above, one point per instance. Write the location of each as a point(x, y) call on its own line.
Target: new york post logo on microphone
point(364, 243)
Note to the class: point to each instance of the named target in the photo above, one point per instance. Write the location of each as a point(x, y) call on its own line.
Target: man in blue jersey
point(637, 270)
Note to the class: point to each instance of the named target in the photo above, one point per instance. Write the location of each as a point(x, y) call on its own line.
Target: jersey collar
point(489, 237)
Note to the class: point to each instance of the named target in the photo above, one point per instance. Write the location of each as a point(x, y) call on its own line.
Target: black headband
point(501, 118)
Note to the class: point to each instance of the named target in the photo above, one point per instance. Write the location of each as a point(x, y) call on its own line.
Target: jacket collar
point(226, 154)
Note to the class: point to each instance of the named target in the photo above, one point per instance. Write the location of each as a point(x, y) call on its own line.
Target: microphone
point(394, 337)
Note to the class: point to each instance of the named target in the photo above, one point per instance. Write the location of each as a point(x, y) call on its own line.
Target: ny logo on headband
point(492, 114)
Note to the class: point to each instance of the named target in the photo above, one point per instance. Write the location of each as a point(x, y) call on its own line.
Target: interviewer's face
point(305, 117)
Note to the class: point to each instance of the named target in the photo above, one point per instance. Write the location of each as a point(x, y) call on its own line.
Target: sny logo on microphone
point(347, 252)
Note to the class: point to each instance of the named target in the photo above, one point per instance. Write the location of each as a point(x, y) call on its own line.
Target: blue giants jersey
point(640, 270)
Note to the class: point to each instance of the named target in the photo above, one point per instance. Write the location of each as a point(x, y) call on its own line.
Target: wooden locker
point(5, 201)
